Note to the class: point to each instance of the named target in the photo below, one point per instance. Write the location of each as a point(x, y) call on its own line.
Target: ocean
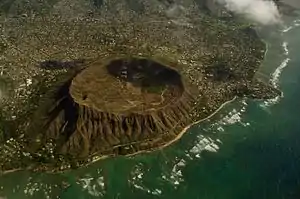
point(249, 150)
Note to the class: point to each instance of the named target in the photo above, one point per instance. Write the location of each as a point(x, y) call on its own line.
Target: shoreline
point(10, 171)
point(178, 137)
point(197, 122)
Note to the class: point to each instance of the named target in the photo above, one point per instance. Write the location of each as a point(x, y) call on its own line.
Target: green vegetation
point(155, 89)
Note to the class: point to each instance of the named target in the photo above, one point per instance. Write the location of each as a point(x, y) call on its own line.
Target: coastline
point(197, 122)
point(184, 130)
point(142, 151)
point(10, 171)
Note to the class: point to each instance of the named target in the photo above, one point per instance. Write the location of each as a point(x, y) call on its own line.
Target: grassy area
point(155, 89)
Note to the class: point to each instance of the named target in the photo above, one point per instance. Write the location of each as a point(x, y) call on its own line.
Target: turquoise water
point(251, 149)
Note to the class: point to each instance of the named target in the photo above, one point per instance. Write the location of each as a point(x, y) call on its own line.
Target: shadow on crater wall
point(144, 73)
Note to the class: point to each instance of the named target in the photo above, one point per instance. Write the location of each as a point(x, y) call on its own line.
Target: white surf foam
point(270, 102)
point(294, 24)
point(204, 144)
point(32, 189)
point(175, 177)
point(208, 143)
point(285, 47)
point(278, 71)
point(93, 185)
point(275, 80)
point(287, 29)
point(137, 177)
point(275, 76)
point(296, 20)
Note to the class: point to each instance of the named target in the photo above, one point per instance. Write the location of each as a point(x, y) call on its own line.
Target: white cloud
point(261, 11)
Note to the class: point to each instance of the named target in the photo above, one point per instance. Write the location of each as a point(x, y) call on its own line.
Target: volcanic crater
point(117, 106)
